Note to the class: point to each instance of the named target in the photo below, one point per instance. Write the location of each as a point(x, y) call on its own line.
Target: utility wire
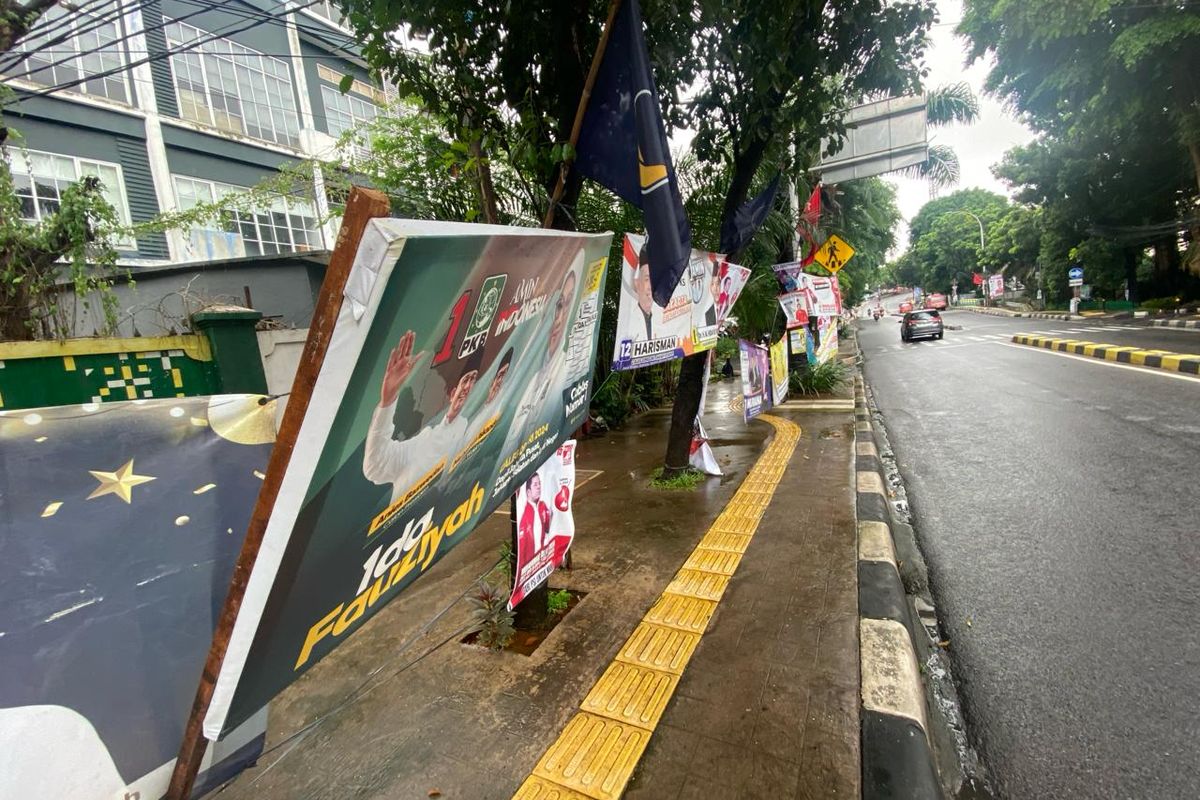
point(95, 21)
point(154, 57)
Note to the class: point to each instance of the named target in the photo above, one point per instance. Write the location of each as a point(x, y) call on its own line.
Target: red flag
point(807, 228)
point(812, 209)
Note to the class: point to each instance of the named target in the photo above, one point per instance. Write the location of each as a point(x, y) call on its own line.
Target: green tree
point(944, 236)
point(1112, 78)
point(506, 75)
point(80, 233)
point(777, 77)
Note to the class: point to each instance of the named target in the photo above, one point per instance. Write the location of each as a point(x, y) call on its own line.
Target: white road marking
point(1182, 376)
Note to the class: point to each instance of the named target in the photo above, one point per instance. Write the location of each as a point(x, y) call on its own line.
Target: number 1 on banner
point(456, 315)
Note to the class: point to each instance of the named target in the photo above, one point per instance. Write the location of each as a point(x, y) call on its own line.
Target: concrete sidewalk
point(766, 706)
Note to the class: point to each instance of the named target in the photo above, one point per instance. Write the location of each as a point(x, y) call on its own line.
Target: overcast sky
point(979, 145)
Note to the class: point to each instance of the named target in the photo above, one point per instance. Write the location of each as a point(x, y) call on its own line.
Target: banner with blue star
point(119, 528)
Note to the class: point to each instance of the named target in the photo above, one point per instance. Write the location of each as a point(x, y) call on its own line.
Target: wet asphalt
point(1056, 502)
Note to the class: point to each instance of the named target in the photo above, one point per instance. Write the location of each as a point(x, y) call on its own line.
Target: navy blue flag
point(623, 146)
point(737, 232)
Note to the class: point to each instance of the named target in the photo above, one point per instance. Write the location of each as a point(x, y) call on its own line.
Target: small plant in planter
point(491, 620)
point(557, 601)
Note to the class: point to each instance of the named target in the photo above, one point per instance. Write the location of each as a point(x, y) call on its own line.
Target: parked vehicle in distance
point(917, 324)
point(906, 307)
point(937, 301)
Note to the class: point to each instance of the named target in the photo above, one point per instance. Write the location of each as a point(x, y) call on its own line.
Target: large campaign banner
point(545, 524)
point(756, 390)
point(461, 358)
point(779, 371)
point(121, 526)
point(650, 334)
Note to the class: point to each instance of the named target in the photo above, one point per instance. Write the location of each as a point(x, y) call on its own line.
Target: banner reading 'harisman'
point(460, 360)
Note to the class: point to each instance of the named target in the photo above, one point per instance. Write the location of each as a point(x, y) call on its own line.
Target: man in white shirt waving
point(402, 462)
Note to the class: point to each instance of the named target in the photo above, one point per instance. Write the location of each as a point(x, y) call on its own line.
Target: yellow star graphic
point(120, 483)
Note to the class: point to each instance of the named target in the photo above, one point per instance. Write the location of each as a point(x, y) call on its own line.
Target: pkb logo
point(485, 311)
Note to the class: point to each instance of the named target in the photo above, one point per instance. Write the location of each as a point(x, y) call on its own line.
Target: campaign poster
point(791, 276)
point(995, 285)
point(827, 346)
point(650, 334)
point(795, 309)
point(121, 526)
point(545, 525)
point(700, 455)
point(755, 387)
point(779, 371)
point(461, 358)
point(825, 297)
point(731, 279)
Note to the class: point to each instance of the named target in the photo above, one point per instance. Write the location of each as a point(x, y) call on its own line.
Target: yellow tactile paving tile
point(659, 647)
point(720, 540)
point(632, 694)
point(722, 562)
point(535, 788)
point(594, 755)
point(680, 611)
point(694, 583)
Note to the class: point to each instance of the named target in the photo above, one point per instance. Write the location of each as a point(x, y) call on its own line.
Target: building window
point(361, 105)
point(234, 88)
point(77, 50)
point(329, 11)
point(41, 178)
point(287, 225)
point(346, 111)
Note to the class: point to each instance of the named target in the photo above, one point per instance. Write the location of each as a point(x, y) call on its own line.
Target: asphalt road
point(1055, 500)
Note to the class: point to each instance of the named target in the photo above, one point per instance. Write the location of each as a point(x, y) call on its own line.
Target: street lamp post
point(981, 241)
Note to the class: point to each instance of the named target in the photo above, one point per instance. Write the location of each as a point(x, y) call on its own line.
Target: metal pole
point(598, 57)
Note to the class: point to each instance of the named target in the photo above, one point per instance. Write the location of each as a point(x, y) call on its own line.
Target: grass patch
point(683, 481)
point(816, 379)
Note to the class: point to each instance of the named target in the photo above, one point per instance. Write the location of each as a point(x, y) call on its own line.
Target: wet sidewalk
point(767, 705)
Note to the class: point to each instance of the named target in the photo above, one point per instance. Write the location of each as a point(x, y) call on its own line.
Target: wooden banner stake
point(362, 206)
point(584, 98)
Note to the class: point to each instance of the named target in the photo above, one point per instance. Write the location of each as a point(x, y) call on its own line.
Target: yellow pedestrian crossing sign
point(834, 254)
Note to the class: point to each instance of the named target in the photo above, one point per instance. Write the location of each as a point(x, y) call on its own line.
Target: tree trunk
point(691, 372)
point(1131, 264)
point(683, 414)
point(487, 190)
point(1194, 151)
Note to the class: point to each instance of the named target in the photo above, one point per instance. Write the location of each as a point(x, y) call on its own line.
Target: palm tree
point(945, 105)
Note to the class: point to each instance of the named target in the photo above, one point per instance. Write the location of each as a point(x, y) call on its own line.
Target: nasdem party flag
point(738, 230)
point(623, 146)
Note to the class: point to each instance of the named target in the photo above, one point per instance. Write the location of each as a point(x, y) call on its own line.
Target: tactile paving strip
point(597, 752)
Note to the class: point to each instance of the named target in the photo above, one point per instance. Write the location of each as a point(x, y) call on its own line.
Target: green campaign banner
point(461, 358)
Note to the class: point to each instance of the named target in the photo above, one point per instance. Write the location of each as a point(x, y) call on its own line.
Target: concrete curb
point(1158, 359)
point(1189, 324)
point(897, 759)
point(1002, 312)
